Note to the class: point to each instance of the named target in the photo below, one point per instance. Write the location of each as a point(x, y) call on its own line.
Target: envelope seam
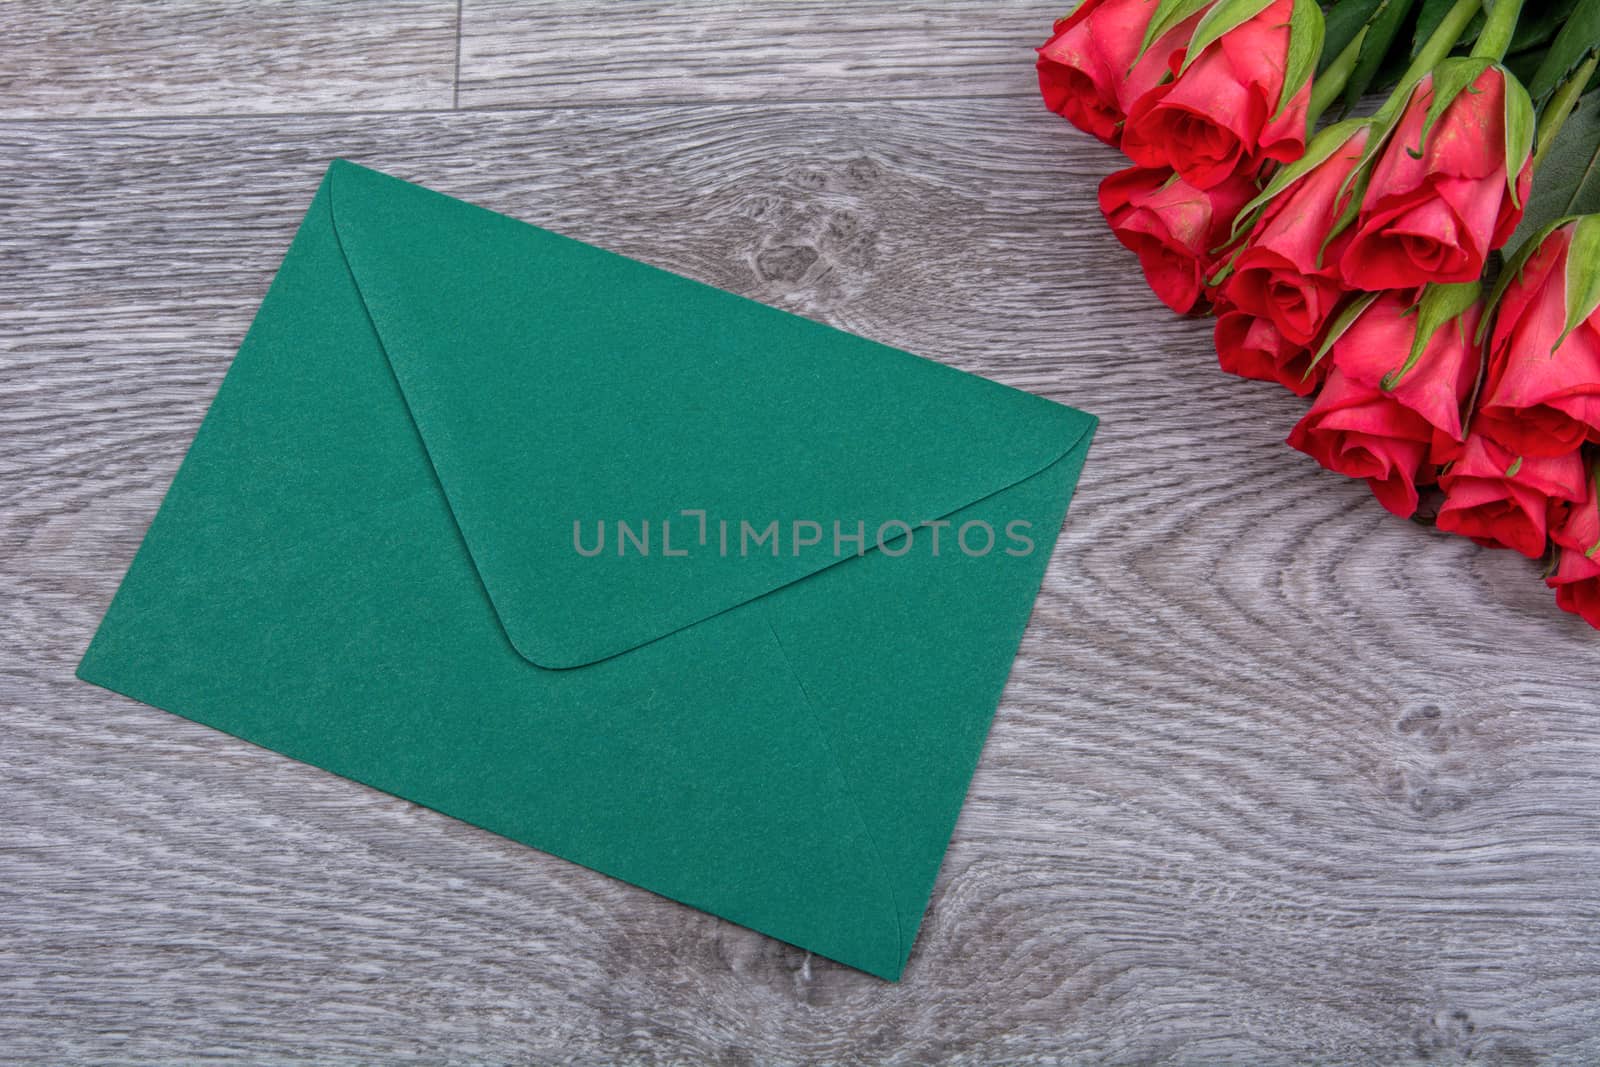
point(1077, 441)
point(383, 346)
point(844, 782)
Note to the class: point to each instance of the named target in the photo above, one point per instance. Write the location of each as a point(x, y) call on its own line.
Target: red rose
point(1172, 226)
point(1084, 73)
point(1577, 577)
point(1221, 115)
point(1501, 500)
point(1436, 218)
point(1284, 274)
point(1252, 347)
point(1541, 398)
point(1393, 438)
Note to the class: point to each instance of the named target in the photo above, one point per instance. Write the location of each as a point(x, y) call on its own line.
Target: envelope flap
point(570, 398)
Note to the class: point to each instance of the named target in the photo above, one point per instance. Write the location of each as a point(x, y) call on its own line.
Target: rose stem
point(1442, 40)
point(1438, 45)
point(1559, 107)
point(1331, 82)
point(1498, 27)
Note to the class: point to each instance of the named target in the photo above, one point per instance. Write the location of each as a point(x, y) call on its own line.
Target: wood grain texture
point(515, 54)
point(163, 57)
point(1277, 778)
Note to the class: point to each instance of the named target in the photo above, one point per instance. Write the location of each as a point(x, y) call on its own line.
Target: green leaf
point(1222, 273)
point(1525, 64)
point(1322, 148)
point(1344, 21)
point(1305, 46)
point(1568, 180)
point(1519, 123)
point(1539, 23)
point(1223, 16)
point(1583, 274)
point(1439, 306)
point(1168, 14)
point(1382, 28)
point(1342, 322)
point(1380, 128)
point(1578, 40)
point(1513, 268)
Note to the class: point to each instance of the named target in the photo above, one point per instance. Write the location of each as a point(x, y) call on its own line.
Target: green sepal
point(1340, 324)
point(1594, 484)
point(1450, 79)
point(1439, 306)
point(1226, 269)
point(1381, 127)
point(1321, 149)
point(1519, 123)
point(1583, 274)
point(1306, 28)
point(1223, 16)
point(1514, 266)
point(1168, 13)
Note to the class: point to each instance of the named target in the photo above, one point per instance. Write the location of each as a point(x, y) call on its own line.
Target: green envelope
point(763, 693)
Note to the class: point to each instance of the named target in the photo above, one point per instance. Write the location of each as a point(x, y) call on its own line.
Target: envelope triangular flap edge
point(557, 386)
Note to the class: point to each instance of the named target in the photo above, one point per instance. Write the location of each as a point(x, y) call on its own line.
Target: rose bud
point(1173, 227)
point(1388, 421)
point(1439, 198)
point(1284, 273)
point(1542, 392)
point(1502, 500)
point(1239, 99)
point(1088, 73)
point(1252, 347)
point(1577, 576)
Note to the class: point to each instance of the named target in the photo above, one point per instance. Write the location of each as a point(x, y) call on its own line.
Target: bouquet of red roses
point(1358, 262)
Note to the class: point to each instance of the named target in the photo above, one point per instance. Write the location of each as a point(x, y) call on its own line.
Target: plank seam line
point(504, 109)
point(455, 86)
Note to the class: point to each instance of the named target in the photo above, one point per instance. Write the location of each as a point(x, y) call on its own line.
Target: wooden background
point(1278, 778)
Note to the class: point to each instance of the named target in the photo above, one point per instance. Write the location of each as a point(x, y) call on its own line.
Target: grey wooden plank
point(84, 57)
point(518, 54)
point(1277, 777)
